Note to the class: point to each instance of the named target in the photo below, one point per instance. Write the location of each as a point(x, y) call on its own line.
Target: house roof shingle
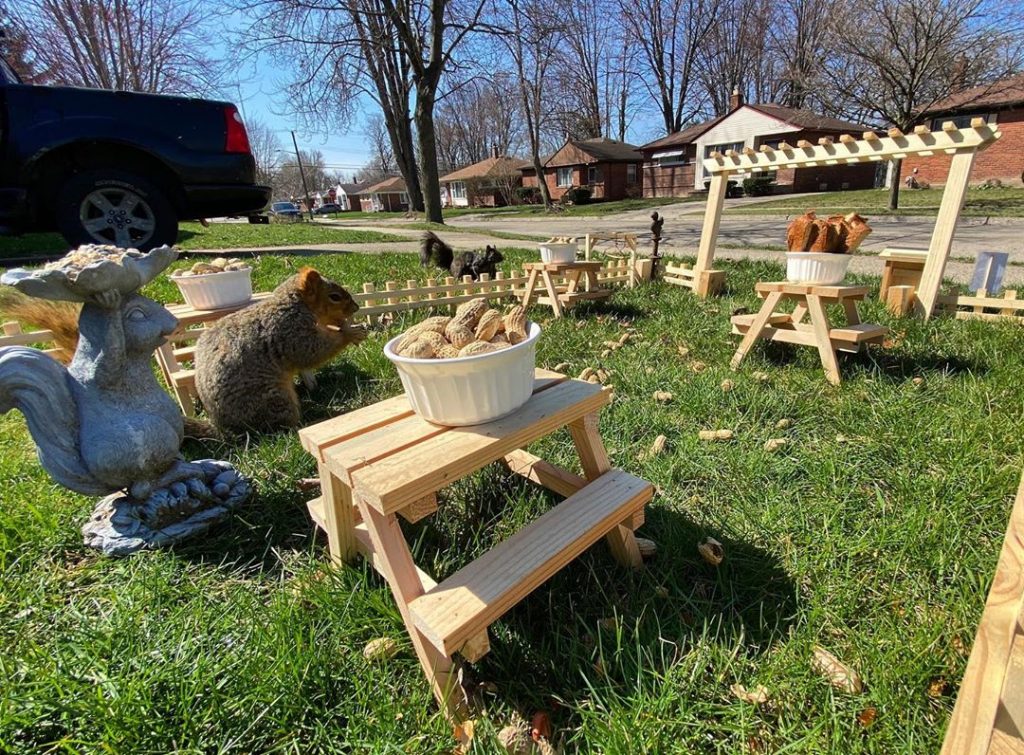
point(354, 189)
point(492, 166)
point(609, 150)
point(999, 94)
point(393, 185)
point(795, 117)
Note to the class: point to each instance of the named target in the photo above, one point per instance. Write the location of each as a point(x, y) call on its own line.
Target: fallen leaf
point(867, 717)
point(464, 733)
point(380, 649)
point(727, 385)
point(774, 444)
point(841, 676)
point(711, 551)
point(938, 687)
point(756, 696)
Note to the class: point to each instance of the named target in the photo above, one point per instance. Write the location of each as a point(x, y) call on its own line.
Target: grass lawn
point(442, 228)
point(217, 236)
point(602, 208)
point(874, 533)
point(1006, 202)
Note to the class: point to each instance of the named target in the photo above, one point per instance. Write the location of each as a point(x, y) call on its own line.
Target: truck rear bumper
point(210, 201)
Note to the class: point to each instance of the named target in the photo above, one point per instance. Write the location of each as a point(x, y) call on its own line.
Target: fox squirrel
point(246, 362)
point(474, 264)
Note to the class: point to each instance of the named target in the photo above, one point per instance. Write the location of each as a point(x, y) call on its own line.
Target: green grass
point(874, 533)
point(193, 236)
point(1005, 202)
point(595, 209)
point(442, 228)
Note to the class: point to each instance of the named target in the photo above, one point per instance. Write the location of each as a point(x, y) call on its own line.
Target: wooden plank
point(864, 331)
point(481, 592)
point(537, 470)
point(755, 328)
point(712, 220)
point(26, 339)
point(339, 516)
point(977, 704)
point(826, 349)
point(427, 467)
point(941, 245)
point(824, 292)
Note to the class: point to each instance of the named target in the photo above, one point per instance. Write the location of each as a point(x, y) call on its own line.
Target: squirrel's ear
point(309, 279)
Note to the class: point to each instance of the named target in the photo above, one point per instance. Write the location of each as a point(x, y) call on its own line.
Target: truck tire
point(115, 207)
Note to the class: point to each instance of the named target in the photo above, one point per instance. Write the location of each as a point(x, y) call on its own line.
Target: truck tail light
point(237, 139)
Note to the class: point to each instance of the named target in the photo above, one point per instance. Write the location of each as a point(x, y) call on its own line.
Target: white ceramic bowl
point(216, 290)
point(468, 390)
point(820, 268)
point(558, 252)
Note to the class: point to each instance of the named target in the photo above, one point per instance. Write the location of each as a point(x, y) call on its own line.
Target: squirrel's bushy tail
point(60, 318)
point(38, 387)
point(432, 248)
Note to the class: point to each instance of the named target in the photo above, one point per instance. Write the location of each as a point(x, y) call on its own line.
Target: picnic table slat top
point(558, 267)
point(803, 289)
point(399, 458)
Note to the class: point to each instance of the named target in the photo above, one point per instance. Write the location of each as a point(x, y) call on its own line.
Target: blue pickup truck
point(119, 167)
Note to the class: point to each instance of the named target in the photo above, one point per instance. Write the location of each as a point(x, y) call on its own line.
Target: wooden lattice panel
point(848, 150)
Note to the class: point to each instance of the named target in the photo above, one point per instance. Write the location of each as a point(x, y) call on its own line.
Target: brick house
point(674, 165)
point(1002, 103)
point(488, 183)
point(389, 195)
point(610, 169)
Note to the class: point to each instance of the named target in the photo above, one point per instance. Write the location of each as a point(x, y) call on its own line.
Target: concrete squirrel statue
point(246, 362)
point(474, 264)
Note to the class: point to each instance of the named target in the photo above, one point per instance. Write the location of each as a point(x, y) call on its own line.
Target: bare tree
point(289, 177)
point(531, 33)
point(897, 59)
point(137, 45)
point(802, 39)
point(669, 34)
point(16, 49)
point(475, 117)
point(382, 159)
point(266, 151)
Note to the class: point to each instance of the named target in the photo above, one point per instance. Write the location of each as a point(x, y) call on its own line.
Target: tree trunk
point(405, 157)
point(542, 182)
point(430, 185)
point(894, 186)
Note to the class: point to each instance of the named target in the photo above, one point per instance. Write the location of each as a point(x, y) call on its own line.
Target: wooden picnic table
point(383, 461)
point(810, 300)
point(567, 294)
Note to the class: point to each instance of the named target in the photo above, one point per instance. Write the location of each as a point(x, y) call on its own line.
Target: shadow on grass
point(892, 366)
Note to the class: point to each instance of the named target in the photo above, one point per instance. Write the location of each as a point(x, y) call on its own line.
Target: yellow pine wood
point(826, 350)
point(316, 439)
point(480, 593)
point(941, 245)
point(396, 480)
point(339, 516)
point(547, 475)
point(712, 220)
point(978, 702)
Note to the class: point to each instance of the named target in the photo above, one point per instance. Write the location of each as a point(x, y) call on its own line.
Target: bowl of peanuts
point(474, 367)
point(216, 284)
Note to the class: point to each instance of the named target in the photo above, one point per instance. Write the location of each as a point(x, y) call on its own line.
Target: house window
point(962, 121)
point(631, 173)
point(593, 175)
point(458, 190)
point(564, 177)
point(403, 198)
point(723, 148)
point(673, 160)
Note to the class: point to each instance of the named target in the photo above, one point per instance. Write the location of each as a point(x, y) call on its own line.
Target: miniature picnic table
point(562, 296)
point(383, 460)
point(810, 300)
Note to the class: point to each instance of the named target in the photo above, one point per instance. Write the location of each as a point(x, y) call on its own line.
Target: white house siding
point(743, 125)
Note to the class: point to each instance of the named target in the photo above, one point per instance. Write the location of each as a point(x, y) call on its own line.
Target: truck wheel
point(115, 207)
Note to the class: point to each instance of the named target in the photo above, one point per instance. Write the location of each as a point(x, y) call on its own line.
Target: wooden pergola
point(962, 143)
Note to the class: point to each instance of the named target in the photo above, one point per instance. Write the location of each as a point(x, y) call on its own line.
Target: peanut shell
point(491, 323)
point(418, 350)
point(436, 340)
point(477, 347)
point(515, 324)
point(458, 334)
point(436, 324)
point(446, 352)
point(470, 312)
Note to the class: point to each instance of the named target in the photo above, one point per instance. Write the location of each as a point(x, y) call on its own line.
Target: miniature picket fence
point(981, 306)
point(13, 335)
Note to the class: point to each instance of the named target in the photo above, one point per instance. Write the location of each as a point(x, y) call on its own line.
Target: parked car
point(119, 167)
point(330, 208)
point(285, 211)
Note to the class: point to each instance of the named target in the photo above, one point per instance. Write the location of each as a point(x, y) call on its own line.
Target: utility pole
point(302, 172)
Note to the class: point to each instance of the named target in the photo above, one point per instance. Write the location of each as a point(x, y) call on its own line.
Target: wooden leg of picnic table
point(531, 282)
point(406, 586)
point(827, 350)
point(339, 517)
point(799, 312)
point(553, 293)
point(595, 462)
point(852, 315)
point(754, 332)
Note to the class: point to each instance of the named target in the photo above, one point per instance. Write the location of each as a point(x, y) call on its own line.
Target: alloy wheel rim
point(113, 215)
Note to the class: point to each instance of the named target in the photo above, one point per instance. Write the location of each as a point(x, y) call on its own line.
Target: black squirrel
point(474, 264)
